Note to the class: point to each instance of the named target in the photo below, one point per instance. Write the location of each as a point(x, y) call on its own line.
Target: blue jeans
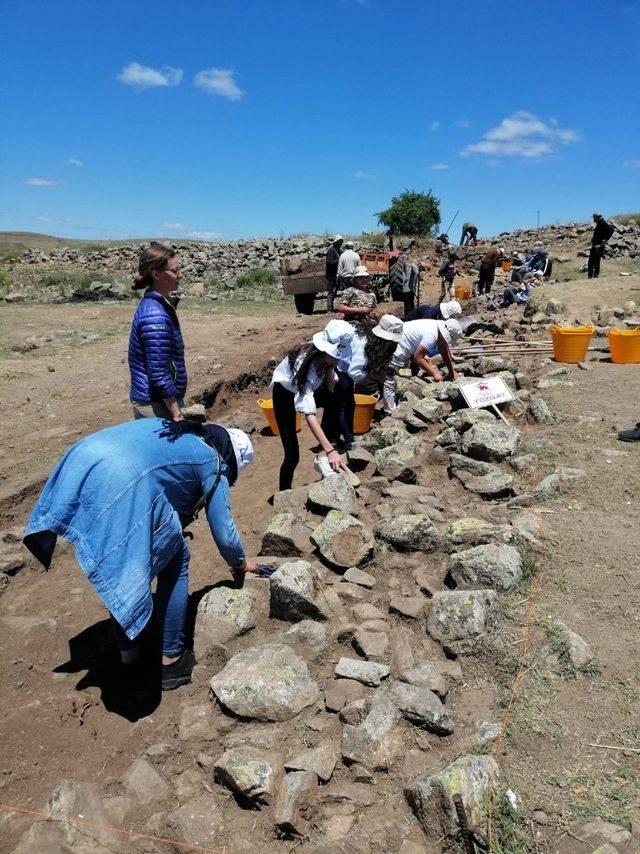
point(171, 597)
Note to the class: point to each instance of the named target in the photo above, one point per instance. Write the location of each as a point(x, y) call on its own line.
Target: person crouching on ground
point(303, 371)
point(123, 496)
point(422, 339)
point(358, 301)
point(440, 311)
point(488, 268)
point(365, 355)
point(156, 348)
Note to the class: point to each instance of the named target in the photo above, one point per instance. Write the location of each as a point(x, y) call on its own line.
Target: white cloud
point(204, 235)
point(632, 164)
point(75, 162)
point(439, 166)
point(174, 226)
point(218, 81)
point(522, 134)
point(462, 123)
point(361, 174)
point(144, 77)
point(435, 125)
point(42, 182)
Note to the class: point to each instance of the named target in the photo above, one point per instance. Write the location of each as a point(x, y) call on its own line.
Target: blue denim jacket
point(121, 497)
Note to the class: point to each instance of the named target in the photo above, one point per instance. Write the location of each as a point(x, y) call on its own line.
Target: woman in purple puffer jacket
point(156, 348)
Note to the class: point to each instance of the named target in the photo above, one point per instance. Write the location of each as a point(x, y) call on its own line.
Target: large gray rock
point(409, 532)
point(431, 796)
point(291, 500)
point(420, 706)
point(294, 593)
point(199, 821)
point(250, 773)
point(295, 802)
point(367, 672)
point(342, 540)
point(265, 683)
point(426, 674)
point(286, 536)
point(490, 442)
point(399, 461)
point(495, 566)
point(321, 760)
point(458, 618)
point(476, 532)
point(378, 740)
point(382, 437)
point(144, 782)
point(371, 645)
point(539, 411)
point(562, 480)
point(429, 411)
point(74, 801)
point(223, 613)
point(333, 493)
point(481, 478)
point(309, 634)
point(463, 419)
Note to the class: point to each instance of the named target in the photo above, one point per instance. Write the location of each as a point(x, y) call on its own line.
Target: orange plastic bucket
point(365, 404)
point(462, 291)
point(266, 405)
point(570, 343)
point(506, 266)
point(625, 346)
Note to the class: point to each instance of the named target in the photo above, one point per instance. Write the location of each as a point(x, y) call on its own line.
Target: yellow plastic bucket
point(462, 291)
point(266, 405)
point(506, 266)
point(365, 404)
point(625, 346)
point(570, 343)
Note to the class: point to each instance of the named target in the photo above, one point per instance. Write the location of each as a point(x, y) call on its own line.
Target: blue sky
point(235, 118)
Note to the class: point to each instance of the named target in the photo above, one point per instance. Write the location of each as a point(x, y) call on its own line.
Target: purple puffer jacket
point(156, 351)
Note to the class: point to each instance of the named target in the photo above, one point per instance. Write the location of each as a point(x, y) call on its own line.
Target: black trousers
point(593, 265)
point(409, 300)
point(285, 414)
point(487, 272)
point(332, 288)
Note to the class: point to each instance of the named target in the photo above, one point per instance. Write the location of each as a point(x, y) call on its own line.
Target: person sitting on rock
point(516, 295)
point(123, 496)
point(357, 301)
point(422, 339)
point(439, 311)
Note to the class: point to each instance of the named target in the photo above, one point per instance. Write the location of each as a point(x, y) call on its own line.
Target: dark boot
point(632, 435)
point(179, 673)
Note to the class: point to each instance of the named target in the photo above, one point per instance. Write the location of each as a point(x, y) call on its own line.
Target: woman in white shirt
point(305, 369)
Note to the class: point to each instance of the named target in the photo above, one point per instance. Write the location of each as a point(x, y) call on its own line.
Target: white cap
point(333, 336)
point(361, 271)
point(348, 244)
point(389, 327)
point(454, 329)
point(242, 447)
point(450, 309)
point(336, 238)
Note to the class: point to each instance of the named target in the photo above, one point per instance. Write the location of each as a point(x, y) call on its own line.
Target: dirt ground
point(63, 713)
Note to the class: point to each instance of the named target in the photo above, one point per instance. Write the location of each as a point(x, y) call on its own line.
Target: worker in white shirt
point(422, 339)
point(347, 265)
point(304, 370)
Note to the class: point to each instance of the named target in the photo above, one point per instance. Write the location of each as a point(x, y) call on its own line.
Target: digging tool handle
point(469, 847)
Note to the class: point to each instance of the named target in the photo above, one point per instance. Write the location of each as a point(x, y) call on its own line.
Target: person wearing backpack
point(123, 497)
point(601, 234)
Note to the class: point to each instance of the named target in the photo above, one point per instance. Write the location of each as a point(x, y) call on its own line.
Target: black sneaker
point(179, 673)
point(632, 435)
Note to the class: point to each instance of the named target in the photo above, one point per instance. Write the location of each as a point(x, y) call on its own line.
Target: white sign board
point(486, 392)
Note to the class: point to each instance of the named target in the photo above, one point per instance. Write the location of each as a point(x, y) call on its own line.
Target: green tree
point(411, 213)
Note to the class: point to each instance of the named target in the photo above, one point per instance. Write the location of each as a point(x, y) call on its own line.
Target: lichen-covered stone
point(409, 532)
point(250, 773)
point(398, 461)
point(286, 536)
point(458, 618)
point(562, 480)
point(368, 672)
point(430, 411)
point(492, 565)
point(378, 740)
point(490, 442)
point(321, 760)
point(431, 796)
point(223, 613)
point(462, 419)
point(333, 493)
point(426, 674)
point(266, 683)
point(476, 532)
point(420, 706)
point(342, 540)
point(481, 478)
point(294, 593)
point(382, 437)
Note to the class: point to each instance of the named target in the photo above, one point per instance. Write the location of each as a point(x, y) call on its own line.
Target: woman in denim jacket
point(123, 496)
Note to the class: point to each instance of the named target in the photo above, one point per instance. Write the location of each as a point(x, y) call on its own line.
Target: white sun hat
point(454, 329)
point(333, 336)
point(389, 327)
point(242, 447)
point(361, 271)
point(348, 244)
point(450, 309)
